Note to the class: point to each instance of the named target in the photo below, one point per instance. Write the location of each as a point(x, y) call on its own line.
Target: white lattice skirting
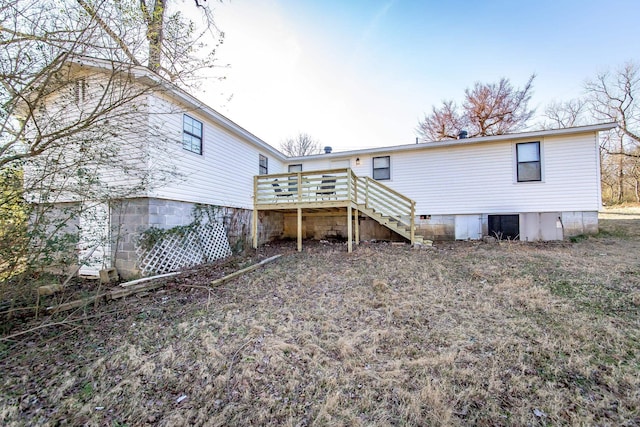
point(201, 245)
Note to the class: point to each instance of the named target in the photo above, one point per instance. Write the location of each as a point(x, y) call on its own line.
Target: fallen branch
point(244, 270)
point(146, 279)
point(47, 325)
point(138, 285)
point(121, 293)
point(75, 304)
point(133, 287)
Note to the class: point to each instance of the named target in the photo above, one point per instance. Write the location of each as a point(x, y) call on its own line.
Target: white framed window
point(295, 168)
point(528, 160)
point(382, 168)
point(263, 165)
point(80, 90)
point(191, 134)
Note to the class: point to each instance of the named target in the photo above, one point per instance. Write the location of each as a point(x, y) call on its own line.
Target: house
point(542, 185)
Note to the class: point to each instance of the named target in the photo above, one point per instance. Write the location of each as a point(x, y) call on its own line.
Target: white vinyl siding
point(222, 175)
point(481, 178)
point(120, 147)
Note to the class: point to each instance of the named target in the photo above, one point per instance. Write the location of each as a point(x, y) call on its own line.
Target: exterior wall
point(131, 217)
point(436, 227)
point(107, 160)
point(458, 182)
point(222, 175)
point(481, 177)
point(58, 223)
point(576, 223)
point(541, 226)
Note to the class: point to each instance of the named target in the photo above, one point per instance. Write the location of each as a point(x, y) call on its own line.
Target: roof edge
point(466, 141)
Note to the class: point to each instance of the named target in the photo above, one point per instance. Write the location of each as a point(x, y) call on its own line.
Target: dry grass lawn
point(465, 333)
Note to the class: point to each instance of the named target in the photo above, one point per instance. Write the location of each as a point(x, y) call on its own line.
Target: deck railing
point(303, 187)
point(332, 187)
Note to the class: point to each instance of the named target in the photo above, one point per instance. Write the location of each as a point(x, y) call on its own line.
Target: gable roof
point(465, 141)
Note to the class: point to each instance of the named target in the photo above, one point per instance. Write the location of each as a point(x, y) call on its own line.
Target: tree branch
point(109, 31)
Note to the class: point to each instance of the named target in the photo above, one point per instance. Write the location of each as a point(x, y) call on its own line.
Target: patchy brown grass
point(462, 334)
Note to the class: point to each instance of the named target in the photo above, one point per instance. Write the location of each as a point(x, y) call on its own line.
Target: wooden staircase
point(387, 207)
point(394, 225)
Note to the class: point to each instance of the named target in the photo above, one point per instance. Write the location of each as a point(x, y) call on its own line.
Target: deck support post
point(357, 225)
point(299, 229)
point(254, 226)
point(412, 222)
point(349, 228)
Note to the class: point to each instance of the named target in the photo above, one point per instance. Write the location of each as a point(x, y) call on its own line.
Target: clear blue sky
point(358, 74)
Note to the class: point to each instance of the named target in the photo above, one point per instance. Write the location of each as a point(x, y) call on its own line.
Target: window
point(295, 168)
point(80, 90)
point(264, 165)
point(504, 226)
point(528, 155)
point(382, 168)
point(192, 134)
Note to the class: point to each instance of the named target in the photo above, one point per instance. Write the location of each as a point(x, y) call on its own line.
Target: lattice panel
point(204, 244)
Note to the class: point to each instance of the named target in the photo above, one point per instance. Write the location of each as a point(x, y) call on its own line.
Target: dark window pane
point(263, 165)
point(191, 134)
point(529, 171)
point(504, 226)
point(382, 174)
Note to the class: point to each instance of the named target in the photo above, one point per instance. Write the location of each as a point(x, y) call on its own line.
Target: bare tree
point(301, 145)
point(488, 109)
point(613, 97)
point(75, 78)
point(566, 114)
point(442, 123)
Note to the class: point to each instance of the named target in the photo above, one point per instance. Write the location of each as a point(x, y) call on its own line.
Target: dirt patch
point(465, 333)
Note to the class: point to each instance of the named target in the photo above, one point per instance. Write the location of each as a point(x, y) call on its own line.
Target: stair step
point(395, 225)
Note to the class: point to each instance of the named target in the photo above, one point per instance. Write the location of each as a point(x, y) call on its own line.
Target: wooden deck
point(330, 191)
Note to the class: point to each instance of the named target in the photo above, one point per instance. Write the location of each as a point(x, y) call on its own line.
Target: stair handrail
point(387, 201)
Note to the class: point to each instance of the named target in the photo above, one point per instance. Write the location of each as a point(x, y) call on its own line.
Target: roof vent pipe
point(462, 134)
point(327, 150)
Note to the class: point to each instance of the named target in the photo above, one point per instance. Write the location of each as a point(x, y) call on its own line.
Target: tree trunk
point(155, 35)
point(621, 172)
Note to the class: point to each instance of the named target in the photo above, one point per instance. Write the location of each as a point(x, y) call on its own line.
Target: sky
point(358, 74)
